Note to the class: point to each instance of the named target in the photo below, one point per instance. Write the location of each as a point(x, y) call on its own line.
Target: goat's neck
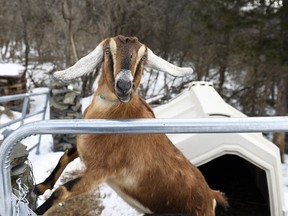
point(111, 107)
point(105, 94)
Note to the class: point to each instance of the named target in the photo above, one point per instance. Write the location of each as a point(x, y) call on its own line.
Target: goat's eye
point(107, 51)
point(144, 58)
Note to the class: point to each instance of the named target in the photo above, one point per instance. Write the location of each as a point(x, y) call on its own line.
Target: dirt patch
point(86, 204)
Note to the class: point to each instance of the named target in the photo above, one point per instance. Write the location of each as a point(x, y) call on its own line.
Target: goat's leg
point(68, 156)
point(85, 183)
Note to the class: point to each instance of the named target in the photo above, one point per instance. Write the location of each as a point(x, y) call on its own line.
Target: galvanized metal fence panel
point(26, 97)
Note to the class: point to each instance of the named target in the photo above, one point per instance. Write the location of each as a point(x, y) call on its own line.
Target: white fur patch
point(113, 46)
point(124, 75)
point(132, 202)
point(113, 49)
point(214, 204)
point(140, 53)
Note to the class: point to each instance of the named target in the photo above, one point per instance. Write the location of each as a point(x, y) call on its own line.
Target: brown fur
point(145, 168)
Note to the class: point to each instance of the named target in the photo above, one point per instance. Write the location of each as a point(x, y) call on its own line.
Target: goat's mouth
point(124, 97)
point(123, 90)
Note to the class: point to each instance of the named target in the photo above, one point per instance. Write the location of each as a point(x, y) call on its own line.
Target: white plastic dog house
point(201, 101)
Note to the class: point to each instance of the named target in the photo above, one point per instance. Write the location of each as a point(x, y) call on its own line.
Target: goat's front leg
point(68, 156)
point(85, 183)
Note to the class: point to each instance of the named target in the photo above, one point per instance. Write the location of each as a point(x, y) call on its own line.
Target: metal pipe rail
point(129, 126)
point(19, 96)
point(25, 97)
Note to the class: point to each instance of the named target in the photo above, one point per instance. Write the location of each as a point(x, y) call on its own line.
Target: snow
point(11, 69)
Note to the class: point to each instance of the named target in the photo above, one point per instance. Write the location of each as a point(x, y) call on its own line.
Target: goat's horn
point(82, 67)
point(155, 62)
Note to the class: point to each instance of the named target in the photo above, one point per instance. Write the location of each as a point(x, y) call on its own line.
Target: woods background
point(239, 45)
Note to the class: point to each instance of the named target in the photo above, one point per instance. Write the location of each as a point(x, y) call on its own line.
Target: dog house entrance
point(244, 184)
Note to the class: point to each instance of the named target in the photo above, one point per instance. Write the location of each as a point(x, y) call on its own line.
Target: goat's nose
point(123, 85)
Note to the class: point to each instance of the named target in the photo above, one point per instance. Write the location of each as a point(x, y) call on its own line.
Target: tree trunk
point(281, 110)
point(25, 15)
point(282, 87)
point(221, 72)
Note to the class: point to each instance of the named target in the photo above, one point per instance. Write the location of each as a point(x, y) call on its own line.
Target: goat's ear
point(82, 67)
point(155, 62)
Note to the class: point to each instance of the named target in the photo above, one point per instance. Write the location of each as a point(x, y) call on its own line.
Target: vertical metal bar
point(43, 117)
point(24, 108)
point(6, 195)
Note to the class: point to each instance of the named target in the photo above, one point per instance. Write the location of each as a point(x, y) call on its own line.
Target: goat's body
point(137, 171)
point(146, 170)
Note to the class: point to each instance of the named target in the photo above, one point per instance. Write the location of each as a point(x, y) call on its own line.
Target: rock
point(69, 138)
point(59, 91)
point(56, 85)
point(58, 106)
point(73, 115)
point(76, 107)
point(19, 155)
point(66, 146)
point(70, 98)
point(65, 104)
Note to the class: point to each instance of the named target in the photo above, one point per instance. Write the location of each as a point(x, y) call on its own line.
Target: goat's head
point(123, 60)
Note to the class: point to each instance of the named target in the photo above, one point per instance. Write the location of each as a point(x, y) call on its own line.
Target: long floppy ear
point(155, 62)
point(82, 67)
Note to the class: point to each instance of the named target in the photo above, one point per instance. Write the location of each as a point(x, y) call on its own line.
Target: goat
point(146, 170)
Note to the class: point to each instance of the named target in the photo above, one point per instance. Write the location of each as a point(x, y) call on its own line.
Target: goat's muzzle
point(124, 85)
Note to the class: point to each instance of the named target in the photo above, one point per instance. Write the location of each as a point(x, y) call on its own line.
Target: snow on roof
point(11, 69)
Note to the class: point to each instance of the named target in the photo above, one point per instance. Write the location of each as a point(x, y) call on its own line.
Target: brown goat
point(146, 170)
